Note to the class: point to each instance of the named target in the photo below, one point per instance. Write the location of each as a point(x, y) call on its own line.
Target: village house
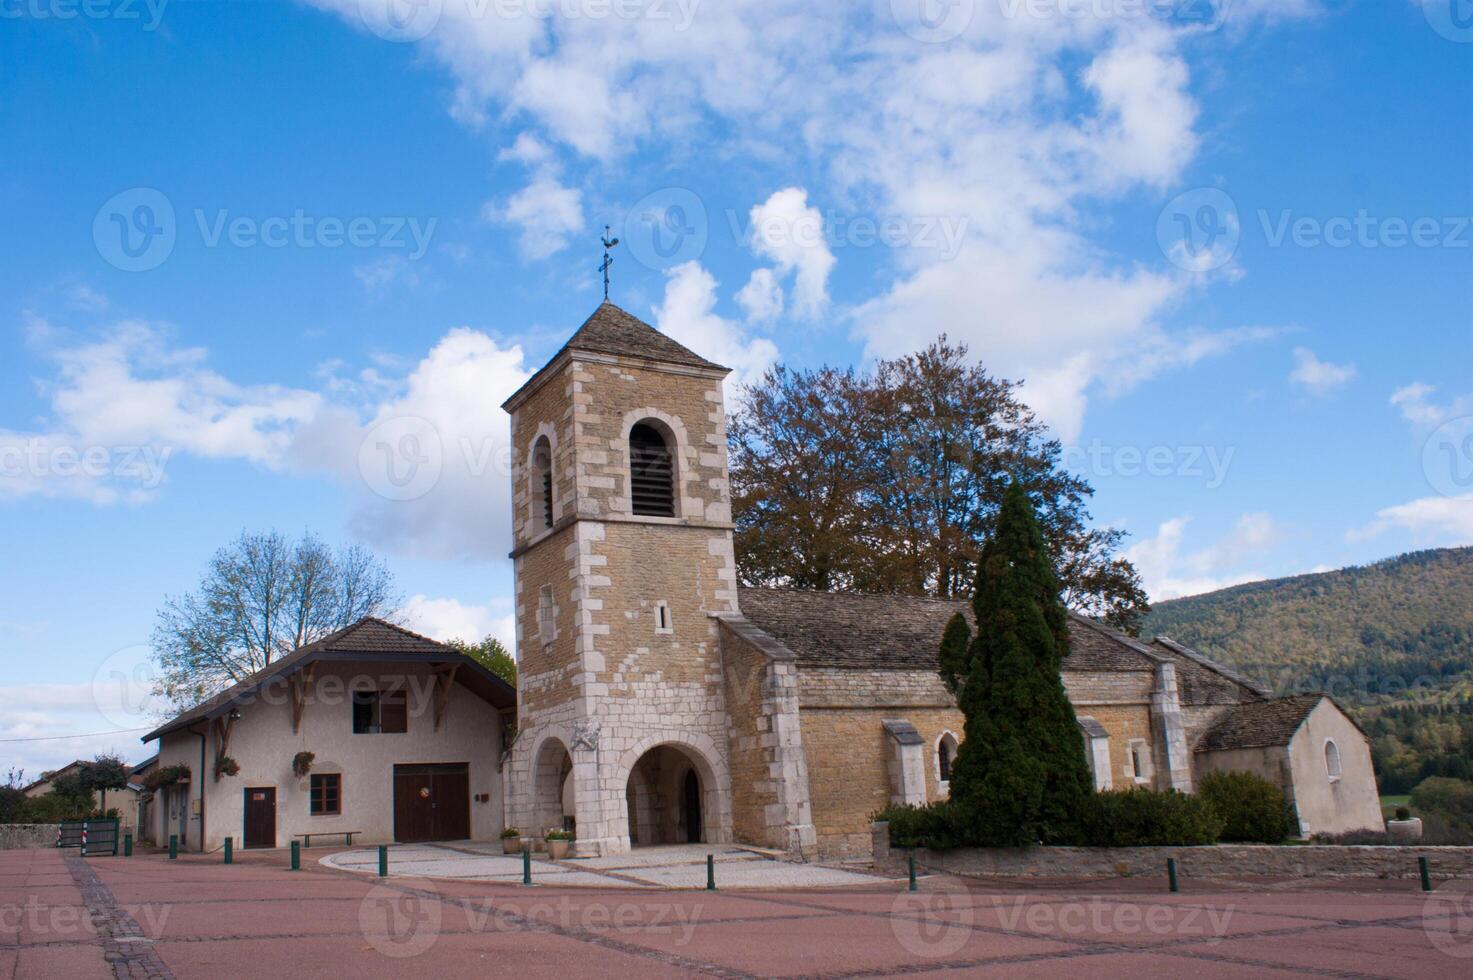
point(659, 702)
point(124, 801)
point(372, 731)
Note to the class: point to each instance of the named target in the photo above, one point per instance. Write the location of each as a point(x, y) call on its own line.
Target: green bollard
point(710, 872)
point(229, 854)
point(912, 863)
point(127, 845)
point(173, 847)
point(296, 855)
point(527, 865)
point(1171, 874)
point(383, 860)
point(1426, 874)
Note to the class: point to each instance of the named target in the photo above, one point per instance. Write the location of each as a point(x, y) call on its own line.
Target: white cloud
point(450, 619)
point(123, 405)
point(1442, 522)
point(1417, 407)
point(1169, 573)
point(687, 314)
point(547, 213)
point(1020, 131)
point(1320, 377)
point(761, 299)
point(60, 723)
point(428, 468)
point(789, 232)
point(386, 271)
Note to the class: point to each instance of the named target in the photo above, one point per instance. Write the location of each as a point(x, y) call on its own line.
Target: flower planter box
point(1405, 830)
point(511, 845)
point(558, 849)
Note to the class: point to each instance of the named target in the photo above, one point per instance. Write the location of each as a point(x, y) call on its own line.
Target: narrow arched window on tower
point(651, 473)
point(542, 479)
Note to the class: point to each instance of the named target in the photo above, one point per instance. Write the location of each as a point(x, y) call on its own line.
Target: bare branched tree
point(262, 597)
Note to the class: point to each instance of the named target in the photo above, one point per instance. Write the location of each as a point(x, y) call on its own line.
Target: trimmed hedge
point(1253, 810)
point(1124, 818)
point(1146, 818)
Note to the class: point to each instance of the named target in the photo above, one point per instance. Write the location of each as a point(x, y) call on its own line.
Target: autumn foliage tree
point(892, 481)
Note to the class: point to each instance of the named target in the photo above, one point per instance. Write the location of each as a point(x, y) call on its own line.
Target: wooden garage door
point(432, 802)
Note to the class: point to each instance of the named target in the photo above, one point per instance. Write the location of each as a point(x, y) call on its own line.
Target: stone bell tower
point(623, 552)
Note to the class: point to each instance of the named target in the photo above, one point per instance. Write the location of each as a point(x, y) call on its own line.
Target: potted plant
point(558, 843)
point(302, 763)
point(226, 766)
point(511, 841)
point(1405, 828)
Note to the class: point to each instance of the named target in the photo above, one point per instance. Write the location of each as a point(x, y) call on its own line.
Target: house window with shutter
point(651, 472)
point(380, 713)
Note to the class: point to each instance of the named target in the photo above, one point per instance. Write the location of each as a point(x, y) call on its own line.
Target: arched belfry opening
point(651, 472)
point(668, 799)
point(542, 481)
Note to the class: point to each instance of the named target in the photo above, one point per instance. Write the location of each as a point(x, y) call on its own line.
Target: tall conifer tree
point(1020, 776)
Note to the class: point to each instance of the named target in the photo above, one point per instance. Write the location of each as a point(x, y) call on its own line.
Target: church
point(659, 701)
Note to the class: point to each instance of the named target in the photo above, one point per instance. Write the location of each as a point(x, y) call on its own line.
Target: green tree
point(90, 778)
point(491, 653)
point(1020, 776)
point(12, 800)
point(956, 643)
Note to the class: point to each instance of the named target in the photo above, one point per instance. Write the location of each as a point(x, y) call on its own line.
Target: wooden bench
point(347, 835)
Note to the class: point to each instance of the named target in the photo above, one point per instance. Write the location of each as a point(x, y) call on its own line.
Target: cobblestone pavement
point(61, 916)
point(674, 866)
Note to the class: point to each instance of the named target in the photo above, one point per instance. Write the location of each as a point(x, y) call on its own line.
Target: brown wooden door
point(260, 817)
point(432, 803)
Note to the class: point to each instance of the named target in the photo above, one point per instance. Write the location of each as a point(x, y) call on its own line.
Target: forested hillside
point(1393, 642)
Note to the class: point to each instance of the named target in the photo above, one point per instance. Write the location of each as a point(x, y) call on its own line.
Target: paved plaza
point(68, 917)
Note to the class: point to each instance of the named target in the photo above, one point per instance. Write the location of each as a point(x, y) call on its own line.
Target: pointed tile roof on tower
point(617, 332)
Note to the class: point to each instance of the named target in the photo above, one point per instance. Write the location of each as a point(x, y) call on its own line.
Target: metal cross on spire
point(608, 261)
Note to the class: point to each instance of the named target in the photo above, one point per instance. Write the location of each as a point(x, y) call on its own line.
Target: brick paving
point(146, 916)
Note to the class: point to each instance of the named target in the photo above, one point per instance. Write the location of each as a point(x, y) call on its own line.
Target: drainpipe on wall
point(202, 736)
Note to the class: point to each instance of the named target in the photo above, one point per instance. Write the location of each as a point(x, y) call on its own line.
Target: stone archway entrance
point(669, 799)
point(552, 781)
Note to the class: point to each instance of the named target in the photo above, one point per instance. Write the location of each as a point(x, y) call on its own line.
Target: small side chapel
point(659, 702)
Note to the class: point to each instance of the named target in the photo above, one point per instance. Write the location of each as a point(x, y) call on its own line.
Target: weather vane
point(608, 259)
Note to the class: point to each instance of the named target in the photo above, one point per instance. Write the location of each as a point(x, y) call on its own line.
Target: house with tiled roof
point(660, 702)
point(373, 730)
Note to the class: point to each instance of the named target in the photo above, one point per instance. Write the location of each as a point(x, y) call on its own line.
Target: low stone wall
point(1220, 861)
point(23, 836)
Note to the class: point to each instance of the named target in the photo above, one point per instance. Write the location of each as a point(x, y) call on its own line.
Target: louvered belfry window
point(651, 473)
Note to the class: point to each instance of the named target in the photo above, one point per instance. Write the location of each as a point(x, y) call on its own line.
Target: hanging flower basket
point(226, 766)
point(302, 763)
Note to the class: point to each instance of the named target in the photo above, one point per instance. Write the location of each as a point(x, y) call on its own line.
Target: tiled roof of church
point(1260, 724)
point(615, 331)
point(369, 637)
point(611, 330)
point(1204, 681)
point(890, 632)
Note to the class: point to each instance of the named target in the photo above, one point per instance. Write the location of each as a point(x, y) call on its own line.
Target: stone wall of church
point(849, 780)
point(849, 753)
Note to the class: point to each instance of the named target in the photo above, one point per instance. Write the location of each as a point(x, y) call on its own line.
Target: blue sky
point(1286, 390)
